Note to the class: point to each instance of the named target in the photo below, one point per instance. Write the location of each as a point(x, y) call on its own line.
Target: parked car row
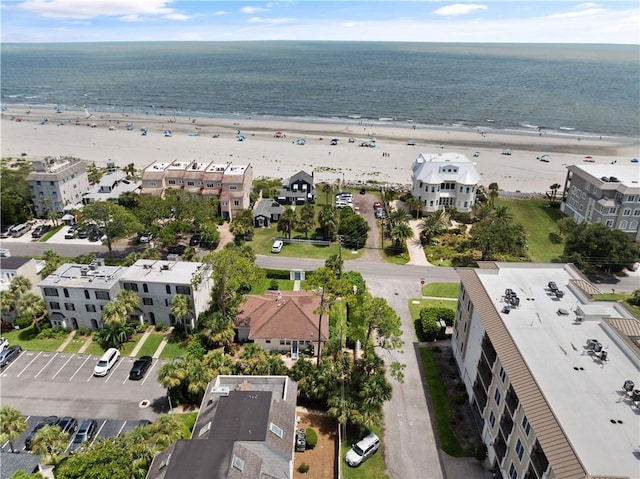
point(379, 211)
point(92, 232)
point(14, 231)
point(344, 199)
point(40, 231)
point(81, 434)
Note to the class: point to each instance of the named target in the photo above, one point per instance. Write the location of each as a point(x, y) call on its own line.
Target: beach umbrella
point(278, 134)
point(301, 141)
point(634, 160)
point(240, 138)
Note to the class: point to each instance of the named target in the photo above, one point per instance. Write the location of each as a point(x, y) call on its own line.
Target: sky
point(515, 21)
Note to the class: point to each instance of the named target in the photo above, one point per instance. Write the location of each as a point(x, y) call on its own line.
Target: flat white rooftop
point(81, 275)
point(161, 271)
point(627, 175)
point(584, 393)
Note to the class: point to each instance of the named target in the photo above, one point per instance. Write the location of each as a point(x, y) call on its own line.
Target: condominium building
point(551, 373)
point(607, 194)
point(10, 267)
point(228, 183)
point(157, 282)
point(444, 180)
point(56, 182)
point(75, 294)
point(110, 187)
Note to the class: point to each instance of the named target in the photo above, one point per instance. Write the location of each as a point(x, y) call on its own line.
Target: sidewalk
point(414, 246)
point(141, 341)
point(66, 341)
point(162, 344)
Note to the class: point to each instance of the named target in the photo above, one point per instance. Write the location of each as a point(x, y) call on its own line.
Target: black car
point(39, 231)
point(140, 367)
point(195, 240)
point(9, 354)
point(47, 421)
point(84, 434)
point(68, 425)
point(177, 249)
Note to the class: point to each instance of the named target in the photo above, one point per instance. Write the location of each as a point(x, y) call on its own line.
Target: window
point(526, 427)
point(513, 474)
point(623, 225)
point(492, 420)
point(152, 184)
point(497, 397)
point(267, 341)
point(86, 294)
point(103, 295)
point(276, 430)
point(631, 198)
point(130, 287)
point(145, 287)
point(633, 225)
point(519, 449)
point(433, 189)
point(236, 202)
point(238, 463)
point(209, 184)
point(54, 305)
point(147, 301)
point(503, 374)
point(181, 289)
point(91, 308)
point(626, 212)
point(235, 187)
point(191, 183)
point(167, 288)
point(69, 306)
point(613, 211)
point(50, 292)
point(65, 291)
point(609, 223)
point(224, 203)
point(636, 212)
point(171, 182)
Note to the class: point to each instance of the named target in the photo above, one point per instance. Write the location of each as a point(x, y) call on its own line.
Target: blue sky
point(547, 21)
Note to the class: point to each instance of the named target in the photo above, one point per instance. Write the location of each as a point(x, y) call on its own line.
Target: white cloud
point(271, 21)
point(221, 12)
point(252, 10)
point(458, 9)
point(83, 9)
point(582, 10)
point(177, 16)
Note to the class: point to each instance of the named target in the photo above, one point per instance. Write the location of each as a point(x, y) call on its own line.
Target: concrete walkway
point(414, 246)
point(162, 344)
point(66, 341)
point(86, 344)
point(141, 341)
point(296, 285)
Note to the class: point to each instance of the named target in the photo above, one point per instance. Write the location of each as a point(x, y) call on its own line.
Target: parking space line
point(48, 362)
point(62, 367)
point(153, 365)
point(123, 425)
point(30, 362)
point(78, 370)
point(98, 432)
point(110, 374)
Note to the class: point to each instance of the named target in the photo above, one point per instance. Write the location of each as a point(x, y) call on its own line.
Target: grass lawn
point(125, 350)
point(441, 290)
point(50, 233)
point(261, 287)
point(263, 240)
point(76, 343)
point(618, 297)
point(151, 344)
point(539, 221)
point(26, 338)
point(95, 348)
point(415, 305)
point(441, 408)
point(172, 350)
point(372, 468)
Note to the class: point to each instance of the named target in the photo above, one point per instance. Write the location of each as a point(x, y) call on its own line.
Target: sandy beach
point(105, 137)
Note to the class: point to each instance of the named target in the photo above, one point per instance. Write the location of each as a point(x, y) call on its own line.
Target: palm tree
point(172, 374)
point(493, 192)
point(415, 204)
point(433, 225)
point(554, 189)
point(114, 314)
point(130, 301)
point(216, 330)
point(130, 170)
point(198, 377)
point(165, 431)
point(328, 220)
point(326, 189)
point(181, 308)
point(401, 233)
point(53, 216)
point(7, 301)
point(399, 216)
point(287, 222)
point(33, 307)
point(50, 441)
point(12, 425)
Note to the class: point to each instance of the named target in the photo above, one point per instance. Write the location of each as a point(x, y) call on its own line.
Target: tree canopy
point(114, 220)
point(15, 199)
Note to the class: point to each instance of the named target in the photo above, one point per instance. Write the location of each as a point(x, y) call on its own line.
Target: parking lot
point(40, 384)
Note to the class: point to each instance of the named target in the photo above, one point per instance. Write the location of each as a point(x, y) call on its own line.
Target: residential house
point(282, 321)
point(56, 182)
point(245, 430)
point(110, 187)
point(607, 194)
point(228, 183)
point(157, 282)
point(75, 294)
point(266, 211)
point(297, 190)
point(444, 180)
point(549, 371)
point(10, 267)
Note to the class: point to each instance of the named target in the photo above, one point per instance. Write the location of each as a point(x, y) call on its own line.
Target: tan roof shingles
point(561, 456)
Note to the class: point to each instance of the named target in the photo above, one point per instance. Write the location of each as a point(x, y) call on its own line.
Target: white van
point(106, 362)
point(19, 230)
point(277, 246)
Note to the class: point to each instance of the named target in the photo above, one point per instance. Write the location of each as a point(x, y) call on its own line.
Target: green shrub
point(141, 328)
point(273, 285)
point(481, 452)
point(83, 331)
point(312, 438)
point(52, 333)
point(161, 327)
point(303, 468)
point(277, 273)
point(22, 323)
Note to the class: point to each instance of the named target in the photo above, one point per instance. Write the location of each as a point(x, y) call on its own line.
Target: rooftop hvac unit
point(84, 270)
point(635, 395)
point(628, 385)
point(165, 267)
point(146, 266)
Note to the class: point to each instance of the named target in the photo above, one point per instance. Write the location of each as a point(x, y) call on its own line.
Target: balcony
point(488, 350)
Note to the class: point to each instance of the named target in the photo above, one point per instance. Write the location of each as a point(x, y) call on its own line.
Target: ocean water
point(567, 89)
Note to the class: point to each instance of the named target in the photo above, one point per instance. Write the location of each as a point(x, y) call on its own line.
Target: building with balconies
point(549, 372)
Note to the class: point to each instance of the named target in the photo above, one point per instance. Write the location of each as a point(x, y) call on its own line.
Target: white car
point(277, 246)
point(361, 451)
point(106, 362)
